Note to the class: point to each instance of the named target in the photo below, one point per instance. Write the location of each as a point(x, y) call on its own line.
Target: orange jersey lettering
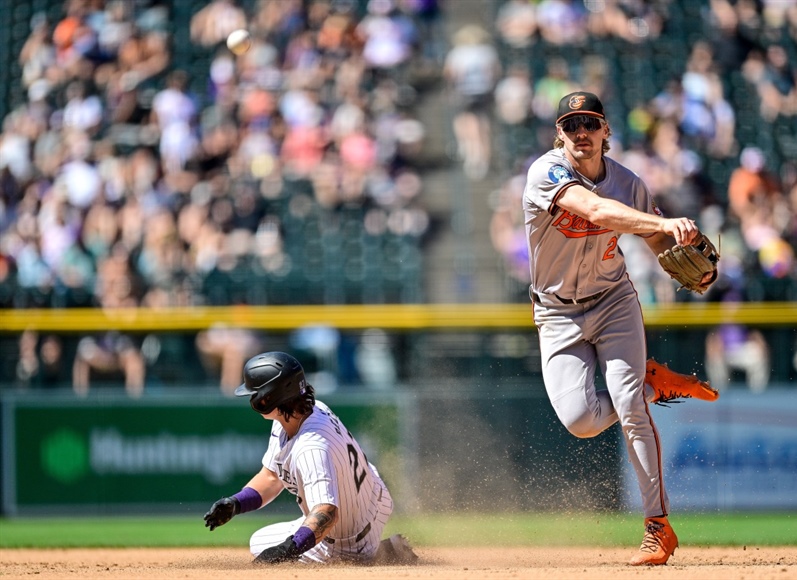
point(575, 226)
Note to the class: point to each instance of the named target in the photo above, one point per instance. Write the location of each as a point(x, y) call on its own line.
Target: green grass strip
point(438, 530)
point(595, 529)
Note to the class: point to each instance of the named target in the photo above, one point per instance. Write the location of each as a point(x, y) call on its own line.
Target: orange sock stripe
point(647, 408)
point(659, 462)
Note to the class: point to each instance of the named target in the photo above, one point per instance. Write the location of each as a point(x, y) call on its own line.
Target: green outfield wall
point(166, 454)
point(471, 446)
point(452, 446)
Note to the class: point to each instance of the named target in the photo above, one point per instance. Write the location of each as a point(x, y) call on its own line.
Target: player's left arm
point(659, 242)
point(267, 484)
point(321, 520)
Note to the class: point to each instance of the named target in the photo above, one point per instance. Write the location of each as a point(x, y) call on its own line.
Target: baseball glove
point(693, 266)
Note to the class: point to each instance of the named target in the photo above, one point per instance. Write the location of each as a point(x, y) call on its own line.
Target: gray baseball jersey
point(570, 256)
point(573, 259)
point(324, 464)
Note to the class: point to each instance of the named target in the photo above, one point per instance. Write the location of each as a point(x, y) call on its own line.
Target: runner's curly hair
point(298, 406)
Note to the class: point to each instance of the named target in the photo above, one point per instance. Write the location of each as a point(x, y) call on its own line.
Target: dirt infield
point(463, 563)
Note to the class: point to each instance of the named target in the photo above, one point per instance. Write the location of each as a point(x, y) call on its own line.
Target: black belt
point(359, 537)
point(536, 298)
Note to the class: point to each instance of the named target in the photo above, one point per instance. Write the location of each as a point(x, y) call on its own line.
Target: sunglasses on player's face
point(571, 124)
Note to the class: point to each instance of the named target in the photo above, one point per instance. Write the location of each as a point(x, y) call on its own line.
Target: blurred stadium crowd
point(142, 164)
point(702, 99)
point(286, 177)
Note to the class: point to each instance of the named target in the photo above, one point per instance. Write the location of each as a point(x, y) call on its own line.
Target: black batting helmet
point(271, 379)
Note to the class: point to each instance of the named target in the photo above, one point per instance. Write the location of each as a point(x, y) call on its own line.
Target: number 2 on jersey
point(354, 460)
point(609, 253)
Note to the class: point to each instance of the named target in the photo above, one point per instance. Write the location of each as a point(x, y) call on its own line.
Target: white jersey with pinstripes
point(324, 464)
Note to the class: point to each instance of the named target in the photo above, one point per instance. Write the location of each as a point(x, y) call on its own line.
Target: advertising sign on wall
point(737, 453)
point(103, 456)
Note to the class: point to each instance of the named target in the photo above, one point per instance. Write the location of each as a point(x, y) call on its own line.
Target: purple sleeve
point(249, 499)
point(304, 538)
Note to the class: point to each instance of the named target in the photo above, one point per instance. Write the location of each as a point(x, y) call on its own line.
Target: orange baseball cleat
point(670, 385)
point(658, 544)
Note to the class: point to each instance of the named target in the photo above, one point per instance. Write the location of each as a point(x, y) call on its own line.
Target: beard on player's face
point(577, 151)
point(574, 143)
point(561, 141)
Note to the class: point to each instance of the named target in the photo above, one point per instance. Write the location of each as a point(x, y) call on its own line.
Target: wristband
point(304, 538)
point(249, 499)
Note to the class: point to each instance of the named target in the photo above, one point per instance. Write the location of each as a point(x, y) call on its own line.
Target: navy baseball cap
point(579, 103)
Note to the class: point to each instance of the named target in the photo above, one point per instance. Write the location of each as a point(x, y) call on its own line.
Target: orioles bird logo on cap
point(577, 101)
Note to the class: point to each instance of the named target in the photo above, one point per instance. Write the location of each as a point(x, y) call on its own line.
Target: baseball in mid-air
point(239, 41)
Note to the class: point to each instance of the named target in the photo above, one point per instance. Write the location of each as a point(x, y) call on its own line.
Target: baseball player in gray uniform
point(344, 502)
point(577, 203)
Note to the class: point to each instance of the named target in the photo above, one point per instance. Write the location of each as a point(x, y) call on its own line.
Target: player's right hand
point(682, 229)
point(222, 512)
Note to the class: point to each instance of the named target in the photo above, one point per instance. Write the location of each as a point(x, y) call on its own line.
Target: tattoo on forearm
point(321, 519)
